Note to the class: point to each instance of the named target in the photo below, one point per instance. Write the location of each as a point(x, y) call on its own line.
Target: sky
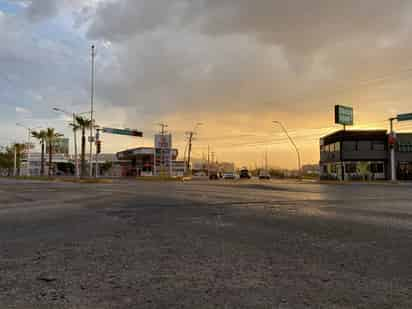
point(233, 65)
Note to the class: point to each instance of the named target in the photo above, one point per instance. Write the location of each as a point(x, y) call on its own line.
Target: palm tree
point(7, 160)
point(41, 136)
point(84, 124)
point(51, 136)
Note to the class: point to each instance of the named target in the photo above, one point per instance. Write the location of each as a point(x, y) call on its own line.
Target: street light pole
point(92, 112)
point(293, 144)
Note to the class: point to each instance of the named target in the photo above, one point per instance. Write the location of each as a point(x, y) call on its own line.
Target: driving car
point(244, 174)
point(229, 175)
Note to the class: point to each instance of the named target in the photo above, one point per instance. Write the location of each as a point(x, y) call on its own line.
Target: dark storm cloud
point(180, 54)
point(296, 24)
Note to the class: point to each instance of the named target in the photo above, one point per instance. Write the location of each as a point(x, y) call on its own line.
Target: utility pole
point(189, 154)
point(91, 139)
point(163, 127)
point(190, 136)
point(208, 160)
point(293, 144)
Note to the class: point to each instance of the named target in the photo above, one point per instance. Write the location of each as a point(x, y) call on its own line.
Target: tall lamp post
point(91, 138)
point(293, 144)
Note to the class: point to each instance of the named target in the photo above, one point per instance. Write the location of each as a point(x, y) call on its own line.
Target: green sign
point(123, 132)
point(404, 117)
point(344, 115)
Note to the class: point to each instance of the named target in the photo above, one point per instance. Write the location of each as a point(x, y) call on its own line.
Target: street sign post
point(126, 132)
point(344, 115)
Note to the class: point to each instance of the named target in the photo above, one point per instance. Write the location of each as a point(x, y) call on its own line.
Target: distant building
point(358, 155)
point(147, 161)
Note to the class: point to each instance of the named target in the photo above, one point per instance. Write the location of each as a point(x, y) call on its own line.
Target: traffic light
point(98, 147)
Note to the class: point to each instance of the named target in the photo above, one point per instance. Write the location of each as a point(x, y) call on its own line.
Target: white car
point(229, 175)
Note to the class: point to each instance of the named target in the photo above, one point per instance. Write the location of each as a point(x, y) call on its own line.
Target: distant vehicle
point(244, 174)
point(264, 175)
point(199, 174)
point(229, 175)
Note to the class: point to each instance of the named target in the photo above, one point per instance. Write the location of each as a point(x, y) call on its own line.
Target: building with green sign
point(364, 155)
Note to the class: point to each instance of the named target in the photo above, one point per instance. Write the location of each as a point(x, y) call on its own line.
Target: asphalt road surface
point(228, 244)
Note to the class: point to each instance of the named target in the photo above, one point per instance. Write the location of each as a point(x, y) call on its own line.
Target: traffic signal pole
point(392, 152)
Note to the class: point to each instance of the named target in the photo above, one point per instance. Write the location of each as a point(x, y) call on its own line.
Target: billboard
point(60, 146)
point(163, 141)
point(344, 115)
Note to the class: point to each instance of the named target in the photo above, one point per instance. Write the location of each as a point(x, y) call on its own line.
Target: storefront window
point(351, 168)
point(376, 168)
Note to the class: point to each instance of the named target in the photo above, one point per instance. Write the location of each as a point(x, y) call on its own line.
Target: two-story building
point(364, 155)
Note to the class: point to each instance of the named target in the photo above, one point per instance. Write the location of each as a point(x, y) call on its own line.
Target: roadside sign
point(344, 115)
point(127, 132)
point(163, 141)
point(404, 117)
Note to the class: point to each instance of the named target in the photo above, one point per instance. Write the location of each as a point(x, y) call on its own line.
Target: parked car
point(244, 174)
point(229, 175)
